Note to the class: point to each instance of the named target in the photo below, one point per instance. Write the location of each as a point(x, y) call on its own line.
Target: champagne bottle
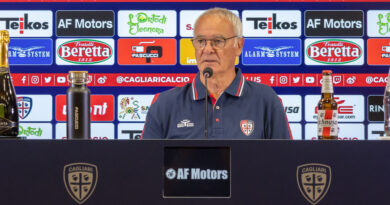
point(327, 109)
point(9, 119)
point(78, 106)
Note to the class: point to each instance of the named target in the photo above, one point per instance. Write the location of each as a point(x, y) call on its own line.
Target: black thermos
point(77, 106)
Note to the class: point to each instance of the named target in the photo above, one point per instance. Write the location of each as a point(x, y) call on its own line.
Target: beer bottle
point(78, 106)
point(9, 119)
point(327, 109)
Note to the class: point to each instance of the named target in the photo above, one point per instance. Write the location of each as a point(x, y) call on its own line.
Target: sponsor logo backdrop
point(27, 23)
point(30, 51)
point(271, 23)
point(272, 52)
point(287, 45)
point(85, 23)
point(35, 107)
point(334, 23)
point(147, 51)
point(130, 131)
point(379, 26)
point(99, 131)
point(150, 23)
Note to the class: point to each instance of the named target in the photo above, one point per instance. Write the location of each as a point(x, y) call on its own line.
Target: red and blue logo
point(24, 106)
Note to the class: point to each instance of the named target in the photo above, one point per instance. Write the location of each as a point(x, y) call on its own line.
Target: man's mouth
point(210, 61)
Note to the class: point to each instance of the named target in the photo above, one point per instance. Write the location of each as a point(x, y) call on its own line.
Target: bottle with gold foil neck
point(9, 119)
point(327, 109)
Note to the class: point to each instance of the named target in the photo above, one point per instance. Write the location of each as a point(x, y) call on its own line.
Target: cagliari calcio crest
point(80, 180)
point(314, 181)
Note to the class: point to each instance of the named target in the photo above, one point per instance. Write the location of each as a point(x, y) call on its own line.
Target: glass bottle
point(9, 118)
point(327, 109)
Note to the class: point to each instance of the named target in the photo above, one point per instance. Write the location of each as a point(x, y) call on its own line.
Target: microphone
point(207, 73)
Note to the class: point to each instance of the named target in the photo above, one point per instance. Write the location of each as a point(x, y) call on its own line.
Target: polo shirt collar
point(235, 88)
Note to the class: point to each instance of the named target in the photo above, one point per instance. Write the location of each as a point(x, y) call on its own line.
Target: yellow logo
point(314, 181)
point(80, 180)
point(187, 52)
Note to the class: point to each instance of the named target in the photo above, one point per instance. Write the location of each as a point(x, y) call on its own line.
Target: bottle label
point(2, 109)
point(76, 118)
point(6, 124)
point(327, 85)
point(4, 69)
point(327, 123)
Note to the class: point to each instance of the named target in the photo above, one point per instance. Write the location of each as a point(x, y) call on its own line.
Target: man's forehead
point(212, 26)
point(211, 19)
point(209, 36)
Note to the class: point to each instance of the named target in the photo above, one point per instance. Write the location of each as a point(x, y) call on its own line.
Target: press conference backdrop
point(134, 50)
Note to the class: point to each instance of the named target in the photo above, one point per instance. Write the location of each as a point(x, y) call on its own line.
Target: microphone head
point(208, 72)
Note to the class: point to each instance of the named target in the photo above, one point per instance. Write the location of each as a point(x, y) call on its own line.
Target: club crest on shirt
point(247, 127)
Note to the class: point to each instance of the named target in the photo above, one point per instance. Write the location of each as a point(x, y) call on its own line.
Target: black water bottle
point(78, 124)
point(9, 119)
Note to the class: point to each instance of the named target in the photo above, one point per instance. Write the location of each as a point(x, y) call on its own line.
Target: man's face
point(219, 59)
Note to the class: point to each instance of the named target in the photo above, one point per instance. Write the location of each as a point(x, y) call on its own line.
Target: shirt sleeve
point(153, 128)
point(278, 127)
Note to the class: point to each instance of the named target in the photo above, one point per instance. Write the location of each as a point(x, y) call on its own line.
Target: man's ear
point(240, 44)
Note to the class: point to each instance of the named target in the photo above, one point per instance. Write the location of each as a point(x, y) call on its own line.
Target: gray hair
point(230, 16)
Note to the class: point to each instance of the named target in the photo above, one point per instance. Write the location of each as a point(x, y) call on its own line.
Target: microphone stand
point(206, 132)
point(207, 73)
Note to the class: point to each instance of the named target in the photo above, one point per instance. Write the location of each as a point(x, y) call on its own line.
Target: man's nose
point(208, 48)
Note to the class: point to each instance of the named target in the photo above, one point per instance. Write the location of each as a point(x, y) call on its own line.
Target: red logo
point(48, 79)
point(337, 79)
point(296, 79)
point(102, 107)
point(85, 51)
point(334, 51)
point(60, 79)
point(283, 80)
point(189, 27)
point(341, 109)
point(35, 79)
point(147, 51)
point(309, 80)
point(247, 127)
point(378, 51)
